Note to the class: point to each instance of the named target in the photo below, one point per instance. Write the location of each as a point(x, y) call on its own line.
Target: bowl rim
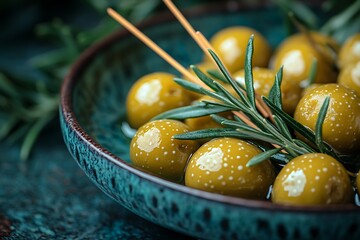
point(70, 118)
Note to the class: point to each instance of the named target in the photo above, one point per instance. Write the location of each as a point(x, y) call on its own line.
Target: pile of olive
point(219, 165)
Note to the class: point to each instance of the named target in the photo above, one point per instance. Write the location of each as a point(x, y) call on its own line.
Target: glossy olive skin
point(350, 51)
point(312, 179)
point(153, 94)
point(350, 77)
point(341, 127)
point(219, 166)
point(230, 45)
point(154, 149)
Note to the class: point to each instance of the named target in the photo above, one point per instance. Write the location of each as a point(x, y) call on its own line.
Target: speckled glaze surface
point(92, 113)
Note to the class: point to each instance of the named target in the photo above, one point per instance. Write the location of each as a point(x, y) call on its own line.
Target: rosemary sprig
point(279, 134)
point(319, 124)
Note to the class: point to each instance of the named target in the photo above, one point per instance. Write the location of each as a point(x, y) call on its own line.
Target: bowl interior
point(100, 93)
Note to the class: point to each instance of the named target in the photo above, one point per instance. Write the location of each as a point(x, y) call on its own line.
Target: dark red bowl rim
point(70, 118)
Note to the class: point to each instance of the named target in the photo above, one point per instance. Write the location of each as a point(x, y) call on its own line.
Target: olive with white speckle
point(230, 45)
point(350, 51)
point(154, 149)
point(350, 77)
point(153, 94)
point(312, 179)
point(341, 127)
point(219, 166)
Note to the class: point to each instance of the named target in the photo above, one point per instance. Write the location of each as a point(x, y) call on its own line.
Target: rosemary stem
point(292, 148)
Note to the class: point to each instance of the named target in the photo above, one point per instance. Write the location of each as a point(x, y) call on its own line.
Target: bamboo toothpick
point(153, 46)
point(205, 44)
point(245, 119)
point(185, 23)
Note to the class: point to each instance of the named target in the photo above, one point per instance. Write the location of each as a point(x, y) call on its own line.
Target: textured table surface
point(49, 197)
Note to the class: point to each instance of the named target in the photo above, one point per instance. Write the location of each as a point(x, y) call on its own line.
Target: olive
point(205, 122)
point(154, 149)
point(350, 51)
point(312, 179)
point(296, 54)
point(310, 87)
point(341, 127)
point(291, 95)
point(350, 77)
point(153, 94)
point(219, 166)
point(230, 45)
point(264, 78)
point(204, 67)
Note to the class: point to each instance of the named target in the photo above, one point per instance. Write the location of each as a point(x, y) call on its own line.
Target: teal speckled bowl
point(92, 113)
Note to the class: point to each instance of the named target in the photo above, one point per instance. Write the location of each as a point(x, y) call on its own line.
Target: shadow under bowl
point(92, 118)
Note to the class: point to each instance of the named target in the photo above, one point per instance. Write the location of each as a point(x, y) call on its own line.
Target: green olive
point(204, 67)
point(296, 54)
point(350, 51)
point(341, 127)
point(219, 166)
point(310, 87)
point(154, 149)
point(312, 179)
point(153, 94)
point(205, 122)
point(263, 79)
point(291, 95)
point(230, 44)
point(350, 76)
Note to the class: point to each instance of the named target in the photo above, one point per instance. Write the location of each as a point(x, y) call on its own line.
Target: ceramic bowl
point(92, 119)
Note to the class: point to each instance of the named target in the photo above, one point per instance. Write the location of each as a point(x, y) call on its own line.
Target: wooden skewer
point(185, 23)
point(153, 46)
point(245, 119)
